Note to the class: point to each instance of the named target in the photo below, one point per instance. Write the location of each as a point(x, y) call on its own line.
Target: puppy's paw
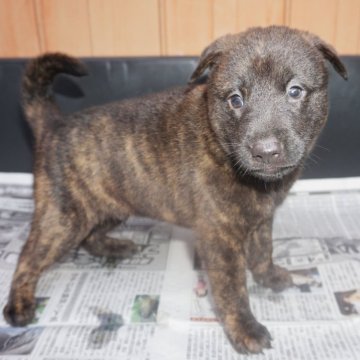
point(276, 278)
point(248, 337)
point(19, 312)
point(124, 249)
point(111, 248)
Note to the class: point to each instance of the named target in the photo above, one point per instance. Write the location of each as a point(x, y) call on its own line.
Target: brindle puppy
point(217, 157)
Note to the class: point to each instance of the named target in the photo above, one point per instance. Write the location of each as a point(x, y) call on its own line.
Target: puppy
point(217, 157)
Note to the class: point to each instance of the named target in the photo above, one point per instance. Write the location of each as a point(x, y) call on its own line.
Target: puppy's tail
point(38, 101)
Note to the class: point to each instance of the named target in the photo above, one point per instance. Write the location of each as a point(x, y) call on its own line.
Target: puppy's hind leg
point(100, 244)
point(53, 234)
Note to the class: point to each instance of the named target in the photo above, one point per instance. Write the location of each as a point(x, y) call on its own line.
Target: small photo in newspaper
point(18, 341)
point(307, 280)
point(145, 309)
point(348, 302)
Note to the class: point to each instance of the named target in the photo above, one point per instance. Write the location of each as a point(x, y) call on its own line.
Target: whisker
point(315, 156)
point(322, 147)
point(313, 160)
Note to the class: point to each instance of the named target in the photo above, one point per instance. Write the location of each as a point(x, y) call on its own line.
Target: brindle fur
point(181, 156)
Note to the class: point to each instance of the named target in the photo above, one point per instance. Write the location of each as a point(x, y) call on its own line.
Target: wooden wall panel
point(123, 27)
point(232, 16)
point(225, 17)
point(335, 21)
point(259, 13)
point(188, 26)
point(163, 27)
point(317, 16)
point(347, 35)
point(18, 30)
point(64, 26)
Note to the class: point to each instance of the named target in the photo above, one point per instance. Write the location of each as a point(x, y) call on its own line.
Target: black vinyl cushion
point(337, 153)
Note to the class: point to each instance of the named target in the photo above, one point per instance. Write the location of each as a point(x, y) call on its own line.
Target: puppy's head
point(267, 96)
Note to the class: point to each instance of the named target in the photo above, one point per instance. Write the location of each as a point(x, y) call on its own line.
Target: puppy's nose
point(268, 150)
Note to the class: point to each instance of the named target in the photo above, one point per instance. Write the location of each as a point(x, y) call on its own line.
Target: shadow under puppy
point(217, 157)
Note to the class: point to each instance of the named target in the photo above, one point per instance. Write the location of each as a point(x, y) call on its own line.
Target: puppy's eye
point(236, 101)
point(295, 92)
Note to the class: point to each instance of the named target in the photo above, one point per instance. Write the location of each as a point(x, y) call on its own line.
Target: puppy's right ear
point(210, 56)
point(205, 62)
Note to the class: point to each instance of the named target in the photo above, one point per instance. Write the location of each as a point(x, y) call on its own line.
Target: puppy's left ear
point(329, 53)
point(210, 56)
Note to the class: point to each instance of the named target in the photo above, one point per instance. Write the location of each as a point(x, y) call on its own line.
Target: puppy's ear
point(205, 62)
point(328, 53)
point(210, 56)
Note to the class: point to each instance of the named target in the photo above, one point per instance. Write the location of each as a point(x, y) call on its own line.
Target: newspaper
point(157, 305)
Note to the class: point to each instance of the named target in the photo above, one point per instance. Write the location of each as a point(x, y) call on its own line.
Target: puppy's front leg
point(225, 264)
point(259, 259)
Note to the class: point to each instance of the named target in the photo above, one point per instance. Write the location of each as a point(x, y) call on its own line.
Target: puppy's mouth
point(265, 171)
point(270, 172)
